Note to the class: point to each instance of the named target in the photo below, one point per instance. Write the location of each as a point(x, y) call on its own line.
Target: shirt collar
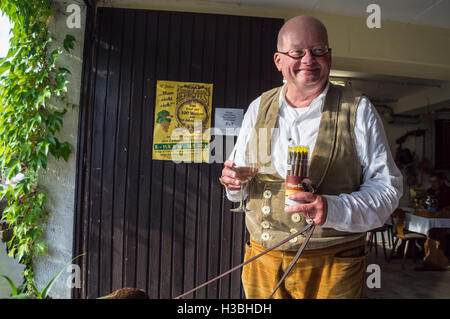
point(318, 101)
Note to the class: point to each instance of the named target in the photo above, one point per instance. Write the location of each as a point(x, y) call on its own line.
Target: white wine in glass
point(244, 175)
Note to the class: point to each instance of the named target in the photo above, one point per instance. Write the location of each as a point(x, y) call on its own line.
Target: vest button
point(265, 210)
point(265, 236)
point(265, 224)
point(296, 217)
point(293, 240)
point(267, 194)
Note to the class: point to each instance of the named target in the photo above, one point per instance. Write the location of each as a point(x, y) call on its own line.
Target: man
point(356, 182)
point(440, 190)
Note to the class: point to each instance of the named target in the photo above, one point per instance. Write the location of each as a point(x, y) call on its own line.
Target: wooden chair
point(398, 220)
point(374, 240)
point(390, 233)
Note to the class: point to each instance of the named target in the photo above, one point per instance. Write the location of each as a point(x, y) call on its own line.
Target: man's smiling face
point(308, 71)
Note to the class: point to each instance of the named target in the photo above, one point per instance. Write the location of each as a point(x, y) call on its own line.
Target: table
point(422, 225)
point(435, 229)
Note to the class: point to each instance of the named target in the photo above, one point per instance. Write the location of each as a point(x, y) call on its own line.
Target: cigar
point(296, 161)
point(305, 170)
point(302, 170)
point(289, 162)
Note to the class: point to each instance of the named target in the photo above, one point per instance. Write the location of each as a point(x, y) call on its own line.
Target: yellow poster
point(182, 121)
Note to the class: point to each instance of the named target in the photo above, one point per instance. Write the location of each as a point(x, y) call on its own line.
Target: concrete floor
point(406, 284)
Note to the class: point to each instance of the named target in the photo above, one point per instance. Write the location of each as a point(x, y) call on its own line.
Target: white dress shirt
point(382, 186)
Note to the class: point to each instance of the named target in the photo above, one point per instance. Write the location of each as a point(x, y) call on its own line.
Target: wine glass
point(244, 174)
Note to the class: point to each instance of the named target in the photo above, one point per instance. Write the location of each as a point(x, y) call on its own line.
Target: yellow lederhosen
point(335, 272)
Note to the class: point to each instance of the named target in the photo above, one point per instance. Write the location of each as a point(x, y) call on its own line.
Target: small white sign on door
point(228, 120)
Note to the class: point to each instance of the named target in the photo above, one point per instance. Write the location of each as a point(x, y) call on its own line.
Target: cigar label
point(297, 170)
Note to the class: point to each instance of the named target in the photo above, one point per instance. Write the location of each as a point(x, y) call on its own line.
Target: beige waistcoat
point(334, 169)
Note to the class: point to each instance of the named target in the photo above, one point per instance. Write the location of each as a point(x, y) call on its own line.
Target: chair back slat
point(398, 221)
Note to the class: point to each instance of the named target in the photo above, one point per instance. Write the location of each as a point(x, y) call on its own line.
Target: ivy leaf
point(51, 140)
point(4, 66)
point(36, 28)
point(63, 70)
point(40, 161)
point(61, 81)
point(22, 250)
point(46, 146)
point(53, 55)
point(64, 151)
point(43, 160)
point(39, 248)
point(68, 42)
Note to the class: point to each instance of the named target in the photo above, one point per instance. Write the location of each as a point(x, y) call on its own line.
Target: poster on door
point(182, 121)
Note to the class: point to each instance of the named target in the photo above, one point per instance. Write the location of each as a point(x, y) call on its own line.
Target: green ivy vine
point(29, 80)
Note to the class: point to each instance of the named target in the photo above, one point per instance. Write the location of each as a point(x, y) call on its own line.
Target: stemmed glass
point(244, 174)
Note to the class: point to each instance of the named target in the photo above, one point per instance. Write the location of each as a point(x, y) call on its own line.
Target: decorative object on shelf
point(431, 203)
point(417, 197)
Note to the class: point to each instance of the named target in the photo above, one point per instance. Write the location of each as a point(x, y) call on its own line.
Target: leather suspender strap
point(308, 236)
point(297, 256)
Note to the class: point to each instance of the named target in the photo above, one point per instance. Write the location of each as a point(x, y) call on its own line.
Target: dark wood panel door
point(151, 224)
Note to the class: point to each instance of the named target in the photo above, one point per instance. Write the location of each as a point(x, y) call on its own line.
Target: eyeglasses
point(300, 53)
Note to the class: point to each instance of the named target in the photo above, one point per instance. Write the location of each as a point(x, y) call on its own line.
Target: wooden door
point(151, 224)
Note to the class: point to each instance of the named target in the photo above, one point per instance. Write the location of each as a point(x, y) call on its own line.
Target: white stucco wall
point(59, 178)
point(11, 268)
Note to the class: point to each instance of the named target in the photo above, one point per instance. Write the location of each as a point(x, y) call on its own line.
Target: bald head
point(302, 28)
point(308, 72)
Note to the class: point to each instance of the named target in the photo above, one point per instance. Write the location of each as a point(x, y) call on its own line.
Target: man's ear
point(277, 60)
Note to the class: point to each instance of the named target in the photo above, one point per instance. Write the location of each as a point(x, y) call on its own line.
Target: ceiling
point(381, 89)
point(426, 12)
